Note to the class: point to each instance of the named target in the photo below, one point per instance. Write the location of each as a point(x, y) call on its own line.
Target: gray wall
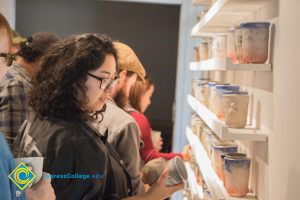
point(150, 29)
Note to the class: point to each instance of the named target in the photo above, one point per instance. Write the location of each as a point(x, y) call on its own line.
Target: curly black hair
point(59, 88)
point(36, 46)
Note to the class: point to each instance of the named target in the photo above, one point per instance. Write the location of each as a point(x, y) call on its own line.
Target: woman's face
point(146, 99)
point(4, 44)
point(97, 96)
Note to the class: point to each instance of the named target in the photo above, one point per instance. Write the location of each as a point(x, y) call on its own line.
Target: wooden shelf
point(225, 14)
point(225, 64)
point(219, 127)
point(214, 184)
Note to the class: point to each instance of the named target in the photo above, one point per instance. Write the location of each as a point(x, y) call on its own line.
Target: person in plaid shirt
point(5, 43)
point(15, 85)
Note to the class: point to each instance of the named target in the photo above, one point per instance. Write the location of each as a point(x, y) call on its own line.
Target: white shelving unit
point(225, 64)
point(214, 184)
point(219, 127)
point(221, 16)
point(196, 189)
point(225, 14)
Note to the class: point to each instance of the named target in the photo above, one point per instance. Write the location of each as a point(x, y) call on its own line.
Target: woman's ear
point(122, 74)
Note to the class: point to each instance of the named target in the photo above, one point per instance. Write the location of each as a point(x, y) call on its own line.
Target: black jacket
point(75, 147)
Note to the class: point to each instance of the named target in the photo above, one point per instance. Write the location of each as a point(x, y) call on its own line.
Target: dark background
point(150, 29)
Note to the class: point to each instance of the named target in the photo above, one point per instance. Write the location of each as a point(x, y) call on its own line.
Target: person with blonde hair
point(140, 99)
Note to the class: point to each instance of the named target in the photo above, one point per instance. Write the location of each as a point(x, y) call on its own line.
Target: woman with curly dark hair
point(76, 78)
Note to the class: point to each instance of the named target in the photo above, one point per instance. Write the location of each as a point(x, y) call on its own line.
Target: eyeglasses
point(9, 57)
point(106, 83)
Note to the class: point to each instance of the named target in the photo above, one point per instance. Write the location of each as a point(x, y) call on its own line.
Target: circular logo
point(21, 176)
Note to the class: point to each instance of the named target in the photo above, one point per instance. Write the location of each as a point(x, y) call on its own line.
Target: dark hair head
point(137, 91)
point(59, 88)
point(36, 46)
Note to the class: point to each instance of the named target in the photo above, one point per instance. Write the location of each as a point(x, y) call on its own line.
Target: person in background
point(71, 90)
point(17, 40)
point(5, 43)
point(43, 189)
point(123, 132)
point(131, 71)
point(15, 85)
point(9, 191)
point(140, 99)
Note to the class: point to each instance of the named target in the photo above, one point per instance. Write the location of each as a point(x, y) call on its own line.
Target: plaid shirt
point(14, 88)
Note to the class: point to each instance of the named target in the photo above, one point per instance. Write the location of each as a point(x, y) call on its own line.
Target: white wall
point(284, 165)
point(8, 9)
point(188, 14)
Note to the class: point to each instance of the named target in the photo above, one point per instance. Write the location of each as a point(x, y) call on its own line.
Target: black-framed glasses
point(9, 58)
point(106, 83)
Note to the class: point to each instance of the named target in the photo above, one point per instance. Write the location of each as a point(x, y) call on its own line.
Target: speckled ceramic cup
point(223, 160)
point(236, 172)
point(218, 150)
point(177, 172)
point(153, 169)
point(236, 110)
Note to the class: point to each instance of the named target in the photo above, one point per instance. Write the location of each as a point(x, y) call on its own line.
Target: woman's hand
point(159, 190)
point(186, 153)
point(41, 190)
point(158, 144)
